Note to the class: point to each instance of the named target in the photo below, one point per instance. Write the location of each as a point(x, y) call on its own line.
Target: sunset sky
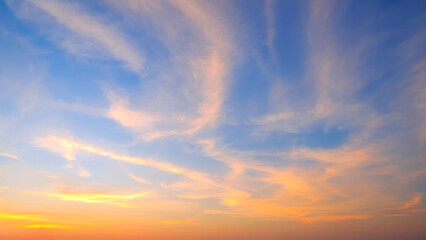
point(215, 119)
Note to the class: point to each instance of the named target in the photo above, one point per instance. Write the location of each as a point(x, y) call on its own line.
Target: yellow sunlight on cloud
point(16, 216)
point(98, 197)
point(49, 226)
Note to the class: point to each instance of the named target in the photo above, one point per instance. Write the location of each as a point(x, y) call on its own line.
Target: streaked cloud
point(190, 221)
point(54, 143)
point(96, 31)
point(131, 118)
point(206, 70)
point(141, 180)
point(337, 218)
point(117, 199)
point(51, 221)
point(17, 216)
point(49, 226)
point(9, 156)
point(65, 148)
point(412, 203)
point(270, 27)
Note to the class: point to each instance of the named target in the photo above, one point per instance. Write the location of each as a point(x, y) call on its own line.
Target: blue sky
point(282, 111)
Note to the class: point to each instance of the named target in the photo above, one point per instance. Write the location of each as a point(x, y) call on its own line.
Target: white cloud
point(90, 32)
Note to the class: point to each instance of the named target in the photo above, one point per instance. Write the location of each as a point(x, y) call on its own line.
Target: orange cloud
point(300, 192)
point(335, 218)
point(411, 203)
point(195, 190)
point(234, 197)
point(190, 221)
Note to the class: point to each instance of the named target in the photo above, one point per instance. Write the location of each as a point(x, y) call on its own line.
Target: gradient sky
point(241, 119)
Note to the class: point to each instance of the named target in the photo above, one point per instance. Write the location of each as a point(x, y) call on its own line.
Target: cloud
point(330, 85)
point(336, 218)
point(194, 190)
point(49, 226)
point(416, 75)
point(211, 70)
point(144, 123)
point(120, 112)
point(199, 71)
point(199, 186)
point(9, 156)
point(23, 220)
point(89, 28)
point(115, 199)
point(272, 118)
point(68, 149)
point(212, 211)
point(334, 189)
point(270, 26)
point(19, 216)
point(374, 173)
point(83, 173)
point(234, 198)
point(189, 221)
point(141, 180)
point(411, 203)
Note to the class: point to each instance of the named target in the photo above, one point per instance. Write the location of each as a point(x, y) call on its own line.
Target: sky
point(225, 119)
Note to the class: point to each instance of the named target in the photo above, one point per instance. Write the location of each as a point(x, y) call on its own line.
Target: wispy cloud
point(190, 221)
point(270, 26)
point(65, 148)
point(120, 112)
point(19, 216)
point(24, 220)
point(49, 226)
point(308, 191)
point(411, 203)
point(83, 173)
point(68, 148)
point(115, 199)
point(205, 70)
point(91, 28)
point(336, 218)
point(141, 180)
point(9, 156)
point(212, 69)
